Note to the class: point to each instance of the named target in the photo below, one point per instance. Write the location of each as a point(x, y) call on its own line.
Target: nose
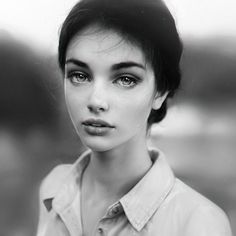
point(97, 100)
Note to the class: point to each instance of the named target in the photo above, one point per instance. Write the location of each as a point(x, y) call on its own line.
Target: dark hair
point(146, 22)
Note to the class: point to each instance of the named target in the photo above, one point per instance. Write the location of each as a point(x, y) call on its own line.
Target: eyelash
point(74, 80)
point(131, 79)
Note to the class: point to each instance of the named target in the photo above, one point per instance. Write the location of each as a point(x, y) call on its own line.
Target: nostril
point(96, 109)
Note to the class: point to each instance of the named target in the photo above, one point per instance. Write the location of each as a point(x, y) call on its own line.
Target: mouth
point(97, 127)
point(97, 123)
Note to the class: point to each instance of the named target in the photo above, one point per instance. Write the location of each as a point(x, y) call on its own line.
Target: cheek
point(135, 111)
point(74, 102)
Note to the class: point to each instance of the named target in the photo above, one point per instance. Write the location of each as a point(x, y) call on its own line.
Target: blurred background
point(198, 135)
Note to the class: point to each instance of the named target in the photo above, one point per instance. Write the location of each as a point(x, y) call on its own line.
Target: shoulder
point(208, 220)
point(62, 173)
point(48, 188)
point(51, 183)
point(202, 216)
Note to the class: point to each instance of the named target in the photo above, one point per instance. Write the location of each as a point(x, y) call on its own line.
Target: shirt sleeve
point(207, 221)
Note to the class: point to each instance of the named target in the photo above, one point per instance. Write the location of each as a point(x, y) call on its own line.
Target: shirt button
point(115, 210)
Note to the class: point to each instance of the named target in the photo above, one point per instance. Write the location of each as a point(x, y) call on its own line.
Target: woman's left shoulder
point(204, 217)
point(208, 220)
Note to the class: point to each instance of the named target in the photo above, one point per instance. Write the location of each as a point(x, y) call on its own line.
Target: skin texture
point(122, 97)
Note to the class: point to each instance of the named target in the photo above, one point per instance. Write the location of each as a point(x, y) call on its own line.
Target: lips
point(97, 127)
point(97, 123)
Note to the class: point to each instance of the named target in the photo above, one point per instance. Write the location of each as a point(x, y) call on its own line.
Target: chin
point(98, 145)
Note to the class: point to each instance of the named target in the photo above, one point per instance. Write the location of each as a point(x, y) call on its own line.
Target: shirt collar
point(139, 204)
point(58, 192)
point(147, 195)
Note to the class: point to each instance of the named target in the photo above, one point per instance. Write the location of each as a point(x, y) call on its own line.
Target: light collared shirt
point(158, 205)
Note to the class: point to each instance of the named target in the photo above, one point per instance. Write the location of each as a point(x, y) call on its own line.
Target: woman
point(120, 61)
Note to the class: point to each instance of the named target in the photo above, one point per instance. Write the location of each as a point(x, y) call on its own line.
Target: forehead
point(108, 44)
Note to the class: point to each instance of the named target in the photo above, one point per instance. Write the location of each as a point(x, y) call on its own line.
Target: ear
point(158, 100)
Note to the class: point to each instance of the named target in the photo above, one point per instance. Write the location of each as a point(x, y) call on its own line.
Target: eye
point(78, 77)
point(126, 81)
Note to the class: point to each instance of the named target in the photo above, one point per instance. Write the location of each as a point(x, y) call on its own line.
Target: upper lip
point(97, 122)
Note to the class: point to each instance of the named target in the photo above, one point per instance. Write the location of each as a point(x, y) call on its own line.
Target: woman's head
point(108, 78)
point(121, 61)
point(148, 23)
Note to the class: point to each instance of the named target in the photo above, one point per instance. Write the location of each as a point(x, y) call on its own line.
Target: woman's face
point(108, 79)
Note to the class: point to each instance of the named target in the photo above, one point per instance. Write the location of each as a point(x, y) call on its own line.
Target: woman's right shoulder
point(53, 180)
point(61, 173)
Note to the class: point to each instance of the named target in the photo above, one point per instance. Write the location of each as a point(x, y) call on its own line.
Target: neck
point(116, 171)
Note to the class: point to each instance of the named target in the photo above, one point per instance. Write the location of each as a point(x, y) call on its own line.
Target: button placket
point(101, 228)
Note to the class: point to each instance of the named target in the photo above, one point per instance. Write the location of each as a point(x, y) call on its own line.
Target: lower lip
point(99, 131)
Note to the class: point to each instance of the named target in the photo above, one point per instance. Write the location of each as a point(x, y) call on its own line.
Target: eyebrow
point(127, 64)
point(77, 62)
point(117, 66)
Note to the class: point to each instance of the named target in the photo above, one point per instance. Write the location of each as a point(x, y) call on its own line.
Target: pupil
point(126, 80)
